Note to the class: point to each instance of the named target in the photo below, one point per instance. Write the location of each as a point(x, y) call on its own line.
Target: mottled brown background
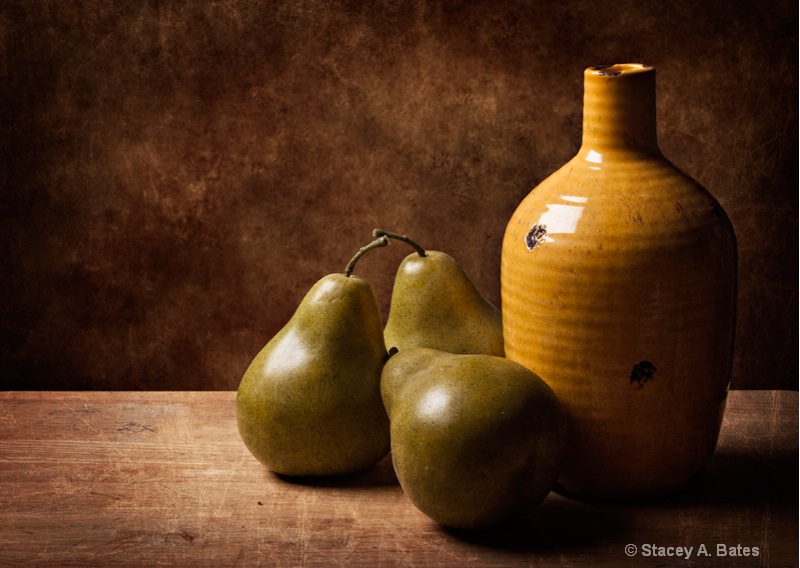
point(176, 175)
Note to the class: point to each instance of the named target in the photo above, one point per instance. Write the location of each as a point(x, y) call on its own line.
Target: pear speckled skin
point(435, 304)
point(309, 404)
point(477, 440)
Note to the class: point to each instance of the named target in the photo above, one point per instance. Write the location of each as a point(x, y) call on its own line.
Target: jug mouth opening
point(620, 68)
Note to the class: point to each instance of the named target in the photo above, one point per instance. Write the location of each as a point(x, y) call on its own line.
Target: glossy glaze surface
point(618, 283)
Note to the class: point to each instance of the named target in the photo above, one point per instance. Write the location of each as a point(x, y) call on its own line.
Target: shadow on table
point(380, 475)
point(557, 524)
point(738, 479)
point(731, 481)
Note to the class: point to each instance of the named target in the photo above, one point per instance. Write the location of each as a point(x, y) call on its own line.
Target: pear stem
point(380, 242)
point(405, 239)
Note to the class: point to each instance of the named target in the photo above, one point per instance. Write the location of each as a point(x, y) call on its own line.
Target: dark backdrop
point(176, 175)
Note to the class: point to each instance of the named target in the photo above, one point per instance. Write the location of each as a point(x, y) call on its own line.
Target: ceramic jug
point(618, 287)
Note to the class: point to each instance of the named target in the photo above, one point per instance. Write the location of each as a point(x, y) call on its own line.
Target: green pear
point(435, 304)
point(309, 404)
point(476, 440)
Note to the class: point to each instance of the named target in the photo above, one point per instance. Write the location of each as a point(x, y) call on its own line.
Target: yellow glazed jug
point(618, 286)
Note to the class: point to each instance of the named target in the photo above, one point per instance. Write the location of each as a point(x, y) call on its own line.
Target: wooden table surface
point(163, 479)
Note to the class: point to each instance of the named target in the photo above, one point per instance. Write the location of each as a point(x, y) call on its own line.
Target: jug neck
point(619, 110)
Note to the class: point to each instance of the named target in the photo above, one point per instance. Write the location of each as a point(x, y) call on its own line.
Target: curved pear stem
point(380, 242)
point(405, 239)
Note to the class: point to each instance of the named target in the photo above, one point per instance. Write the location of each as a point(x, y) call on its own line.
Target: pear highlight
point(309, 404)
point(477, 440)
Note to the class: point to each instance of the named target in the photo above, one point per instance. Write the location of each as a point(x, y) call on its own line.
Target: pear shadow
point(558, 523)
point(380, 475)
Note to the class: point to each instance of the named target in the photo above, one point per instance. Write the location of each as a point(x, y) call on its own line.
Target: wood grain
point(162, 479)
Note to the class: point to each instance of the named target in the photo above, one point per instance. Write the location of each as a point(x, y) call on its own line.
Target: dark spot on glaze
point(535, 236)
point(642, 372)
